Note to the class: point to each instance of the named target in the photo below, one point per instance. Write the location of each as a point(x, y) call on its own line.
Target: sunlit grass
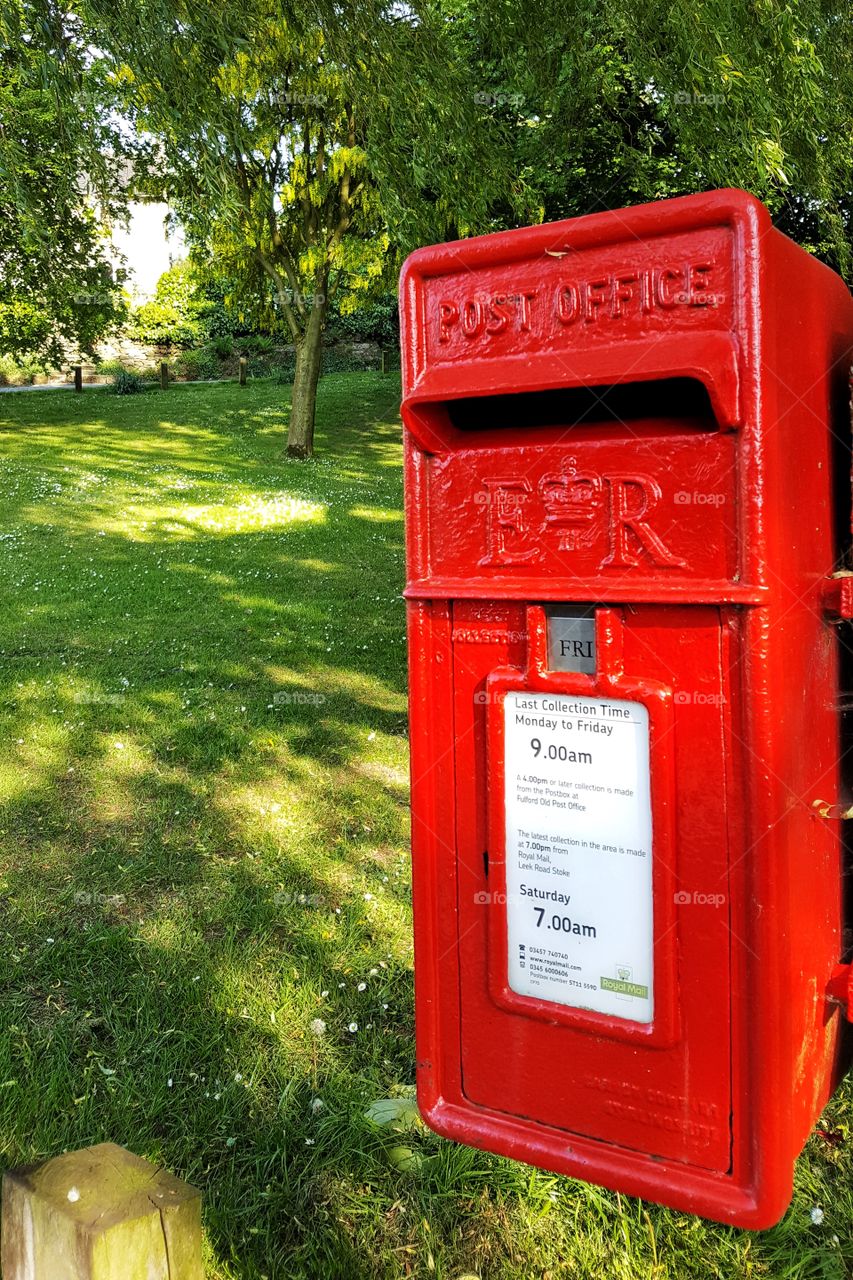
point(204, 826)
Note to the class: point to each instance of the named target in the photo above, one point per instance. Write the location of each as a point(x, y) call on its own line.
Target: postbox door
point(667, 1094)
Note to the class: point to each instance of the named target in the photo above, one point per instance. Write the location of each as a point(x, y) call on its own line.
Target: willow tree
point(279, 131)
point(615, 102)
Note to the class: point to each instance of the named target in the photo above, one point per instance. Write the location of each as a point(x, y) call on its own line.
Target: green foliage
point(19, 373)
point(255, 344)
point(222, 347)
point(336, 359)
point(377, 321)
point(126, 383)
point(175, 316)
point(615, 103)
point(197, 366)
point(292, 139)
point(58, 287)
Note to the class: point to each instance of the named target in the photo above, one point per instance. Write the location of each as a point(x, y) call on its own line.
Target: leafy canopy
point(60, 160)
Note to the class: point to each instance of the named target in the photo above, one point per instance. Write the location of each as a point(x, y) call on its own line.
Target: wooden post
point(382, 367)
point(164, 376)
point(243, 363)
point(99, 1214)
point(78, 377)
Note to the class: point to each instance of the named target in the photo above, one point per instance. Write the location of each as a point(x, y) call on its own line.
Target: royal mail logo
point(574, 511)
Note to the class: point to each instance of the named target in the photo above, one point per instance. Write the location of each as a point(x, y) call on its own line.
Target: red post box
point(627, 505)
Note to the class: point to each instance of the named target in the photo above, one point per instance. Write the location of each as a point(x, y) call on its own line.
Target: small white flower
point(816, 1216)
point(318, 1027)
point(317, 1104)
point(373, 972)
point(237, 1077)
point(309, 1142)
point(73, 1195)
point(48, 939)
point(119, 746)
point(368, 897)
point(353, 1027)
point(323, 994)
point(362, 986)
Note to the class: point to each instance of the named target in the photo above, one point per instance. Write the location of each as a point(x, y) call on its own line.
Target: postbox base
point(672, 1184)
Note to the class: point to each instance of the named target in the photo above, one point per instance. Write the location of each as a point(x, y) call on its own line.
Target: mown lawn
point(204, 866)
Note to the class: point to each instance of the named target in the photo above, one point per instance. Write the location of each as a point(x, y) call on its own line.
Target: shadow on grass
point(204, 807)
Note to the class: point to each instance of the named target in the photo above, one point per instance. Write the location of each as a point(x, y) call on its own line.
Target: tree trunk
point(309, 356)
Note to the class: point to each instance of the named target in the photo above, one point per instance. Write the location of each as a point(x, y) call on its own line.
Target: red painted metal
point(699, 507)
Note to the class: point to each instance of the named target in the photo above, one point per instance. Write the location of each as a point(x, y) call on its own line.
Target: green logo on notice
point(625, 988)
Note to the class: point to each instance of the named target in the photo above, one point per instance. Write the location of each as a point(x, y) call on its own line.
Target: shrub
point(223, 346)
point(374, 322)
point(337, 359)
point(197, 366)
point(108, 368)
point(19, 373)
point(126, 383)
point(175, 315)
point(255, 344)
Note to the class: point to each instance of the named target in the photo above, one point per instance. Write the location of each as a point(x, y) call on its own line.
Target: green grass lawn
point(206, 950)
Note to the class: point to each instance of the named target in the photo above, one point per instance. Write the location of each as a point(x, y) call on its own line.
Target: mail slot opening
point(675, 402)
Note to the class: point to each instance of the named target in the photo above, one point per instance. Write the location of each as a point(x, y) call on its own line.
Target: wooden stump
point(164, 376)
point(243, 363)
point(78, 377)
point(99, 1214)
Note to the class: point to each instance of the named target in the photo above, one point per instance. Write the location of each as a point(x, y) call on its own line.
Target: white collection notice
point(579, 852)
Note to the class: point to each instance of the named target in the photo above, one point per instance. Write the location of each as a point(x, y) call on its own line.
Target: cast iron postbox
point(627, 505)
